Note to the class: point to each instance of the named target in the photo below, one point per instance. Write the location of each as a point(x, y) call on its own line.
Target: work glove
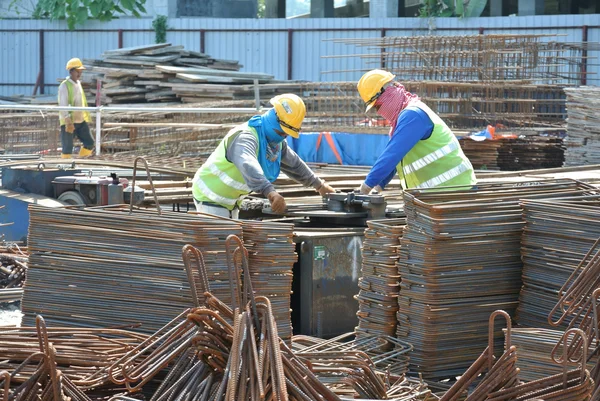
point(277, 202)
point(325, 189)
point(364, 189)
point(69, 126)
point(376, 188)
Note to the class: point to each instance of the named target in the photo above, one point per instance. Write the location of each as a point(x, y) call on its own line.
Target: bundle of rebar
point(272, 254)
point(492, 373)
point(583, 125)
point(535, 347)
point(460, 261)
point(112, 268)
point(556, 237)
point(13, 271)
point(379, 282)
point(388, 353)
point(79, 353)
point(568, 385)
point(495, 57)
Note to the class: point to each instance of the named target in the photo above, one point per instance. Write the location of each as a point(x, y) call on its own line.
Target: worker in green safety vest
point(249, 159)
point(422, 149)
point(74, 123)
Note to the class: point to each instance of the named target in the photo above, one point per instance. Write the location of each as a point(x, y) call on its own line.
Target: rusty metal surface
point(380, 280)
point(389, 354)
point(460, 261)
point(492, 373)
point(271, 257)
point(556, 237)
point(104, 267)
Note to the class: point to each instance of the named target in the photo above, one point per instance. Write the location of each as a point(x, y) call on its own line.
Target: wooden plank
point(136, 49)
point(141, 59)
point(211, 71)
point(169, 49)
point(126, 90)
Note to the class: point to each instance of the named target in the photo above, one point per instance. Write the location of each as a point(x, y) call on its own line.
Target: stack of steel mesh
point(556, 237)
point(107, 267)
point(272, 254)
point(379, 282)
point(460, 261)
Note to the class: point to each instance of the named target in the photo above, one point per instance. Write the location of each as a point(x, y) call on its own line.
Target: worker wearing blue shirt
point(422, 149)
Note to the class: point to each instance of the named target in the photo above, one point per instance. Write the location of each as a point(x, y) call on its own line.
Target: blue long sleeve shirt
point(413, 125)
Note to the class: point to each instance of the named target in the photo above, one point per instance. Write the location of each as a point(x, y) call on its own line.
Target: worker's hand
point(69, 126)
point(277, 202)
point(365, 189)
point(376, 189)
point(325, 189)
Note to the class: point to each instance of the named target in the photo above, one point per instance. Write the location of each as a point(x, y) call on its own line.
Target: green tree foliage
point(77, 12)
point(159, 24)
point(261, 9)
point(452, 8)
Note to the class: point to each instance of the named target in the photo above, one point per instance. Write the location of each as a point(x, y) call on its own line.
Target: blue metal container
point(14, 216)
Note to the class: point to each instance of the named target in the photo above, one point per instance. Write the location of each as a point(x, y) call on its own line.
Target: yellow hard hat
point(370, 86)
point(75, 63)
point(290, 110)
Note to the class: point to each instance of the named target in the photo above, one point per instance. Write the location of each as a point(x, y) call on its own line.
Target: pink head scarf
point(392, 101)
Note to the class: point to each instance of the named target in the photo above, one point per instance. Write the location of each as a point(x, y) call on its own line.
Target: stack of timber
point(168, 73)
point(583, 125)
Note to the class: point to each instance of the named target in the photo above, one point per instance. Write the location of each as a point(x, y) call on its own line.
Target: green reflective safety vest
point(218, 180)
point(437, 161)
point(70, 88)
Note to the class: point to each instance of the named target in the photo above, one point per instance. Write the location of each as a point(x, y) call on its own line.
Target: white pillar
point(321, 8)
point(531, 7)
point(383, 8)
point(98, 131)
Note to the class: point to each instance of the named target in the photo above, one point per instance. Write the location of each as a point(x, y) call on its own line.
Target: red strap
point(319, 141)
point(329, 140)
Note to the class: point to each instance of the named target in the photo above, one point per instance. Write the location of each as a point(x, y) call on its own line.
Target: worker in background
point(74, 123)
point(250, 157)
point(422, 149)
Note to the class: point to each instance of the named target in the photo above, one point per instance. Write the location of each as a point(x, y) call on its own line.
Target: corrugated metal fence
point(32, 50)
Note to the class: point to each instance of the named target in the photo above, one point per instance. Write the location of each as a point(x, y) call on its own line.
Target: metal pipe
point(42, 57)
point(584, 39)
point(290, 53)
point(137, 109)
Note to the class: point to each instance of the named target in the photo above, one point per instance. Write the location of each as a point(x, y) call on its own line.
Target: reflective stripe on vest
point(430, 158)
point(71, 97)
point(213, 196)
point(227, 180)
point(447, 176)
point(218, 180)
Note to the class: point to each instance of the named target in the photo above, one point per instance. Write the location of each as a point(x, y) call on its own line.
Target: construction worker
point(74, 123)
point(250, 157)
point(422, 149)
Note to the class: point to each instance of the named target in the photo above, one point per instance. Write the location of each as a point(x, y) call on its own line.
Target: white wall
point(257, 51)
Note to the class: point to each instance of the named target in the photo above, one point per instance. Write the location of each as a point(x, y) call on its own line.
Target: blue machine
point(14, 216)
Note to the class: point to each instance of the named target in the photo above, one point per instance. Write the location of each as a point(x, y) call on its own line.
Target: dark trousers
point(82, 131)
